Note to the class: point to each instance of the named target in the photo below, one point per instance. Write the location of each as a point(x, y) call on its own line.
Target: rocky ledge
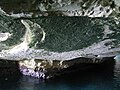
point(46, 69)
point(49, 46)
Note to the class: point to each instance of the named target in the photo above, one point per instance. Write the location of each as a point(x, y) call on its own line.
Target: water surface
point(106, 78)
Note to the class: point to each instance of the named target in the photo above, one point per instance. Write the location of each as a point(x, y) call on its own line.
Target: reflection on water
point(117, 73)
point(107, 78)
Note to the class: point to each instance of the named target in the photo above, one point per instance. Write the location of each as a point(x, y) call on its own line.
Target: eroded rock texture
point(30, 31)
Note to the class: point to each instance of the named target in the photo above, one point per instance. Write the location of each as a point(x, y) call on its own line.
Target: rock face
point(47, 69)
point(35, 8)
point(30, 31)
point(50, 45)
point(59, 38)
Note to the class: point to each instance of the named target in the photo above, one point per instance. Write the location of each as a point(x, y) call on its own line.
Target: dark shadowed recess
point(78, 70)
point(9, 69)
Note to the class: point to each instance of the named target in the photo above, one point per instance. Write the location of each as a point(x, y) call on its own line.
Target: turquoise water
point(105, 78)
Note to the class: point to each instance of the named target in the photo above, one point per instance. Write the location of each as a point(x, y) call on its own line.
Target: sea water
point(100, 78)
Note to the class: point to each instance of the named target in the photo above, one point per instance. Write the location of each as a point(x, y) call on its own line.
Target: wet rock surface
point(46, 69)
point(50, 45)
